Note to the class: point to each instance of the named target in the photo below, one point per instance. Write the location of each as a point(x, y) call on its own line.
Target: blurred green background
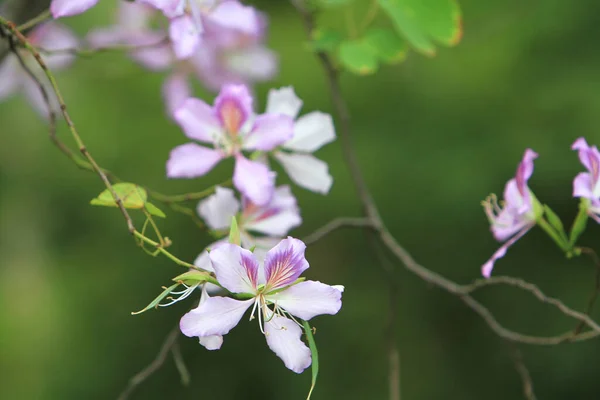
point(434, 137)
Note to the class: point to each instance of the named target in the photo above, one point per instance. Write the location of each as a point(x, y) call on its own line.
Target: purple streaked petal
point(311, 132)
point(525, 170)
point(283, 101)
point(67, 8)
point(306, 171)
point(308, 299)
point(185, 36)
point(218, 209)
point(215, 316)
point(233, 107)
point(236, 269)
point(191, 161)
point(276, 225)
point(175, 91)
point(269, 131)
point(254, 179)
point(583, 186)
point(486, 269)
point(284, 263)
point(283, 337)
point(582, 146)
point(513, 197)
point(198, 121)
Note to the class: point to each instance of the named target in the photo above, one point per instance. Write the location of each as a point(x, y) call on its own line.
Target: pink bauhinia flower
point(229, 127)
point(587, 184)
point(261, 227)
point(311, 132)
point(67, 8)
point(517, 217)
point(275, 295)
point(14, 78)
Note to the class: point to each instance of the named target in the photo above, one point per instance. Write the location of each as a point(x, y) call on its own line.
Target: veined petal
point(255, 180)
point(236, 269)
point(185, 36)
point(306, 171)
point(215, 316)
point(524, 171)
point(284, 263)
point(175, 90)
point(218, 209)
point(191, 161)
point(269, 131)
point(67, 8)
point(308, 299)
point(486, 269)
point(198, 121)
point(583, 186)
point(233, 107)
point(311, 132)
point(283, 337)
point(284, 101)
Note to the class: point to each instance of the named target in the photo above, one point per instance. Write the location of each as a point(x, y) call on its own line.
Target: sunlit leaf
point(325, 40)
point(132, 196)
point(192, 277)
point(422, 22)
point(358, 57)
point(157, 300)
point(386, 44)
point(157, 212)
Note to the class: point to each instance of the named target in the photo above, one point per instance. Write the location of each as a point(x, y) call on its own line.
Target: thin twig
point(523, 372)
point(334, 225)
point(594, 296)
point(184, 373)
point(154, 366)
point(43, 16)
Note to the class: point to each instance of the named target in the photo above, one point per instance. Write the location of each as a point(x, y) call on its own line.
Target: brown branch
point(594, 296)
point(334, 225)
point(523, 372)
point(167, 346)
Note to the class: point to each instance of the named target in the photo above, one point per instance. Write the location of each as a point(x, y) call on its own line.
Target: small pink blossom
point(67, 8)
point(587, 184)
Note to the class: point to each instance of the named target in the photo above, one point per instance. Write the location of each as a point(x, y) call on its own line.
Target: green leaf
point(554, 220)
point(157, 212)
point(580, 222)
point(422, 22)
point(132, 196)
point(358, 57)
point(234, 233)
point(388, 47)
point(193, 276)
point(314, 355)
point(325, 40)
point(157, 300)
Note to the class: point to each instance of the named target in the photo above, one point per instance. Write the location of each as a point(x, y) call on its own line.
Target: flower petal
point(255, 180)
point(251, 64)
point(67, 8)
point(269, 131)
point(236, 16)
point(198, 120)
point(170, 8)
point(236, 269)
point(283, 337)
point(54, 36)
point(582, 186)
point(213, 342)
point(233, 107)
point(524, 171)
point(185, 36)
point(306, 171)
point(191, 161)
point(486, 269)
point(218, 209)
point(283, 101)
point(311, 132)
point(175, 90)
point(284, 263)
point(309, 299)
point(276, 225)
point(203, 260)
point(215, 316)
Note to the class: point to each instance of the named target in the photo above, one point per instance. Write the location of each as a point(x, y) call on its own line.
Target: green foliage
point(312, 345)
point(193, 277)
point(152, 209)
point(423, 22)
point(357, 56)
point(132, 196)
point(157, 300)
point(326, 40)
point(555, 221)
point(386, 45)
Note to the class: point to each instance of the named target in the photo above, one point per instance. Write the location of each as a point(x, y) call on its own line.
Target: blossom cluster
point(521, 210)
point(221, 44)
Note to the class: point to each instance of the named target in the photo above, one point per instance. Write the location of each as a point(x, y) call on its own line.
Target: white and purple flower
point(274, 220)
point(50, 36)
point(587, 184)
point(230, 126)
point(68, 8)
point(311, 132)
point(517, 216)
point(273, 291)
